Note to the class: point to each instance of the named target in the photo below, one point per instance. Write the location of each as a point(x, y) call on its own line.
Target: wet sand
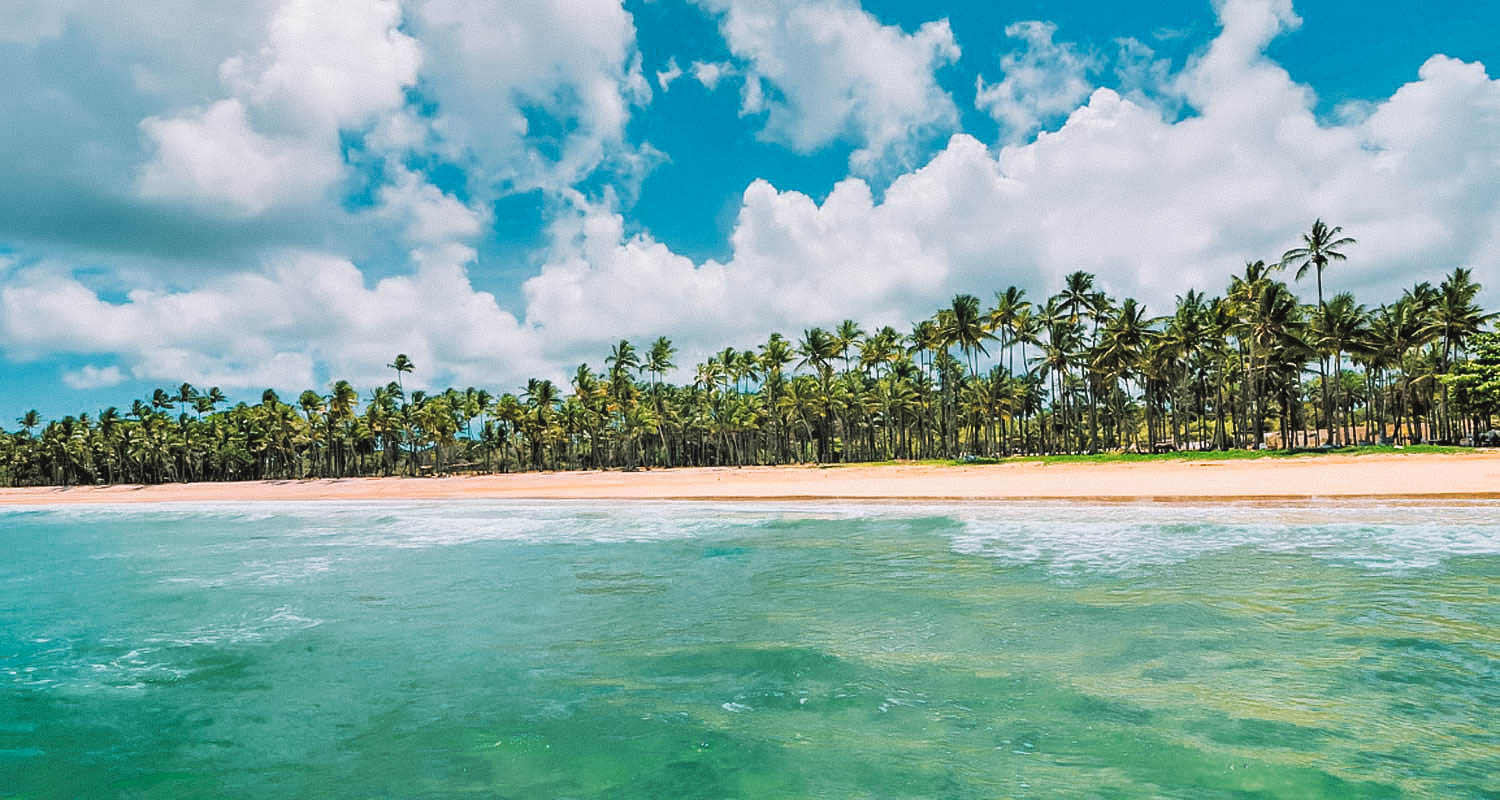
point(1456, 476)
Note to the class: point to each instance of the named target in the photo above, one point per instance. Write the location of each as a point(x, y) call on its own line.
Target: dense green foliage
point(1475, 384)
point(1075, 373)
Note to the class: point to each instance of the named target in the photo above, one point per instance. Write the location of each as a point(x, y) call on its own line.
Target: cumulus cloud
point(305, 80)
point(1043, 79)
point(1150, 203)
point(214, 156)
point(306, 317)
point(837, 72)
point(295, 84)
point(1150, 200)
point(493, 69)
point(324, 67)
point(427, 214)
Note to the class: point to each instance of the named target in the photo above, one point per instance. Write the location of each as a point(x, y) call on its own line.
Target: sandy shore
point(1475, 475)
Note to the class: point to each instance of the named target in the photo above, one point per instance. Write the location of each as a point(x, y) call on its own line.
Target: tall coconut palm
point(622, 362)
point(1003, 318)
point(965, 327)
point(342, 403)
point(1320, 245)
point(1337, 328)
point(1274, 323)
point(1454, 319)
point(312, 405)
point(659, 358)
point(847, 335)
point(818, 349)
point(1124, 344)
point(1397, 329)
point(402, 365)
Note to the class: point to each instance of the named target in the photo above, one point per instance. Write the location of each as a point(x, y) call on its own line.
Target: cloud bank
point(1154, 189)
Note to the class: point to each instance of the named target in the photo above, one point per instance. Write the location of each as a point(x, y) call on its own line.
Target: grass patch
point(1183, 455)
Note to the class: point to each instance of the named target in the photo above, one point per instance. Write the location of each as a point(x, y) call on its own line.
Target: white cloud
point(1150, 202)
point(327, 65)
point(92, 377)
point(839, 73)
point(303, 318)
point(1153, 206)
point(489, 65)
point(428, 215)
point(1143, 77)
point(709, 73)
point(1043, 79)
point(265, 154)
point(666, 75)
point(215, 157)
point(324, 67)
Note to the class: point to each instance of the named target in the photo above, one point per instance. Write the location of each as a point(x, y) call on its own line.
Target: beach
point(1457, 476)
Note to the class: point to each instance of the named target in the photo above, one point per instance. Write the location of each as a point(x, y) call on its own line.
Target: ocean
point(718, 650)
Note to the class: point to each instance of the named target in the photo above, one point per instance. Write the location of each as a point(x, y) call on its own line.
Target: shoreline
point(1453, 477)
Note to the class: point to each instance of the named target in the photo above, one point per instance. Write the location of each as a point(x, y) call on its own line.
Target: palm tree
point(818, 349)
point(1274, 323)
point(541, 397)
point(1397, 329)
point(1005, 316)
point(401, 365)
point(1455, 319)
point(659, 358)
point(1320, 245)
point(622, 361)
point(965, 327)
point(1123, 348)
point(1338, 327)
point(311, 404)
point(342, 403)
point(847, 335)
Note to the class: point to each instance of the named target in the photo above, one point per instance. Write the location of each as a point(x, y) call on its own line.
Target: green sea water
point(668, 650)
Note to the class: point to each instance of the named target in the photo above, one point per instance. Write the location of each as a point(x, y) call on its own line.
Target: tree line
point(1075, 372)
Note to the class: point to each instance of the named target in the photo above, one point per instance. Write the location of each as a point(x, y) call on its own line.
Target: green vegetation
point(1182, 455)
point(1077, 376)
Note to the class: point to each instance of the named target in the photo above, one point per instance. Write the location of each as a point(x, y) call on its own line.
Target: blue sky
point(285, 192)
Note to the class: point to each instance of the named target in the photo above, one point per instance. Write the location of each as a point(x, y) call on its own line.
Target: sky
point(282, 193)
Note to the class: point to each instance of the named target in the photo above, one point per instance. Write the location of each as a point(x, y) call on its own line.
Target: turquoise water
point(750, 650)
